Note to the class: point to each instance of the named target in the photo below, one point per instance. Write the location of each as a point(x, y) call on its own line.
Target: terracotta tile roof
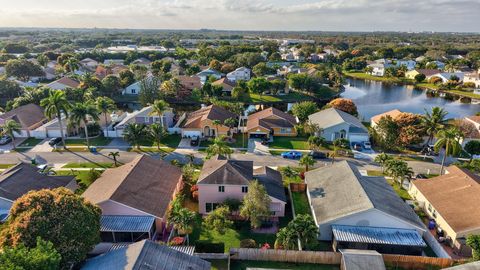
point(392, 113)
point(282, 119)
point(22, 178)
point(26, 115)
point(455, 196)
point(145, 184)
point(212, 112)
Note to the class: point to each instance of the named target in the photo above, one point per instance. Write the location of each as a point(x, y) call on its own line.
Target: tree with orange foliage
point(344, 104)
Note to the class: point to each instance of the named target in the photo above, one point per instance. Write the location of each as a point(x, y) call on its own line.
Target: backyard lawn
point(82, 176)
point(97, 141)
point(30, 142)
point(300, 203)
point(236, 144)
point(402, 193)
point(297, 143)
point(242, 265)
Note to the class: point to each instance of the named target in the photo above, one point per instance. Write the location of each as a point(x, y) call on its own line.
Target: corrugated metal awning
point(126, 223)
point(377, 235)
point(190, 250)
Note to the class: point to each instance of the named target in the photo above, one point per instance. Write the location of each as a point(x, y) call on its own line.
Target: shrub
point(202, 246)
point(469, 85)
point(248, 243)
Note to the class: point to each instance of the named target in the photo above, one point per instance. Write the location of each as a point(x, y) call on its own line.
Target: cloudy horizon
point(266, 15)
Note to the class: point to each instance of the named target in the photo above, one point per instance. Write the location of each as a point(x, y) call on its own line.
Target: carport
point(129, 229)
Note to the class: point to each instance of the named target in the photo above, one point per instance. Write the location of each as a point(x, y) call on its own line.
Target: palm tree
point(433, 122)
point(71, 65)
point(398, 170)
point(219, 147)
point(450, 140)
point(134, 133)
point(382, 160)
point(79, 114)
point(216, 123)
point(158, 108)
point(55, 104)
point(181, 218)
point(307, 161)
point(9, 128)
point(287, 238)
point(105, 105)
point(114, 155)
point(305, 227)
point(156, 133)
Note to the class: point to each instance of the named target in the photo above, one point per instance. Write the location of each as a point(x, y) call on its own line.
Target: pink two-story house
point(222, 179)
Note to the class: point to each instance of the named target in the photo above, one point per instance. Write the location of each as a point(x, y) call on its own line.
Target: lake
point(372, 98)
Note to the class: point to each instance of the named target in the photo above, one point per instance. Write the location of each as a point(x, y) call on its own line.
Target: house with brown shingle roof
point(271, 122)
point(227, 85)
point(63, 83)
point(188, 83)
point(223, 178)
point(139, 192)
point(29, 117)
point(200, 123)
point(452, 200)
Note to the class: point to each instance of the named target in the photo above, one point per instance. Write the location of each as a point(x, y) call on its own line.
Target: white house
point(409, 64)
point(473, 77)
point(134, 88)
point(239, 74)
point(379, 66)
point(209, 72)
point(335, 124)
point(445, 76)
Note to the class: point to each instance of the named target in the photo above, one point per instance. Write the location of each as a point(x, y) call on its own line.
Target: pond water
point(372, 98)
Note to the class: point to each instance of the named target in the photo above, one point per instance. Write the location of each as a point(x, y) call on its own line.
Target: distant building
point(136, 87)
point(239, 74)
point(473, 77)
point(63, 83)
point(427, 72)
point(205, 74)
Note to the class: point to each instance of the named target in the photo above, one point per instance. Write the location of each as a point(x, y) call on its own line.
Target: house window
point(221, 188)
point(244, 189)
point(209, 207)
point(285, 130)
point(429, 207)
point(134, 91)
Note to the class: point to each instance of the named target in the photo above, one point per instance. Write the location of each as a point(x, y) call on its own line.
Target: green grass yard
point(30, 142)
point(300, 203)
point(171, 140)
point(88, 165)
point(97, 141)
point(6, 166)
point(297, 143)
point(81, 176)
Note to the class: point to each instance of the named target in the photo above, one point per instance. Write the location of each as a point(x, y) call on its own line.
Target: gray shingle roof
point(332, 117)
point(339, 190)
point(145, 255)
point(219, 170)
point(272, 180)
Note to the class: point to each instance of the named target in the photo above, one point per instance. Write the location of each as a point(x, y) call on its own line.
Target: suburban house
point(473, 77)
point(226, 84)
point(29, 117)
point(89, 64)
point(142, 62)
point(427, 72)
point(222, 179)
point(239, 74)
point(362, 212)
point(113, 62)
point(103, 71)
point(205, 74)
point(436, 64)
point(409, 64)
point(143, 116)
point(136, 87)
point(22, 178)
point(271, 122)
point(146, 254)
point(335, 124)
point(200, 123)
point(135, 198)
point(376, 118)
point(379, 66)
point(452, 201)
point(187, 84)
point(63, 83)
point(446, 76)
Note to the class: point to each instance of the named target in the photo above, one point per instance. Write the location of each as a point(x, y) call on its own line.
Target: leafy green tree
point(303, 82)
point(388, 132)
point(261, 69)
point(181, 218)
point(433, 122)
point(256, 204)
point(72, 64)
point(450, 140)
point(315, 142)
point(473, 148)
point(9, 128)
point(41, 257)
point(420, 77)
point(307, 161)
point(22, 69)
point(56, 104)
point(398, 170)
point(80, 113)
point(9, 89)
point(218, 220)
point(55, 215)
point(219, 147)
point(286, 239)
point(305, 227)
point(303, 109)
point(258, 85)
point(473, 241)
point(171, 87)
point(111, 85)
point(105, 105)
point(43, 60)
point(149, 91)
point(156, 134)
point(126, 78)
point(134, 134)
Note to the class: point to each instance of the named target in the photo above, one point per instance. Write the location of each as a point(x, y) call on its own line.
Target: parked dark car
point(317, 155)
point(429, 150)
point(292, 154)
point(54, 141)
point(265, 142)
point(5, 139)
point(195, 141)
point(421, 176)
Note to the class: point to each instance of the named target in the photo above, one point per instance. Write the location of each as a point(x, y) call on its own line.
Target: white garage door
point(358, 138)
point(191, 133)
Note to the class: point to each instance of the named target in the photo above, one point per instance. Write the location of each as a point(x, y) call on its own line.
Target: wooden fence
point(293, 256)
point(298, 187)
point(416, 262)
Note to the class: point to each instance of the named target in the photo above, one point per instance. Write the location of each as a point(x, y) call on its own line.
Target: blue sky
point(324, 15)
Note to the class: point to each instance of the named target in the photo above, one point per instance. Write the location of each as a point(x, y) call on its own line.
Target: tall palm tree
point(9, 128)
point(156, 133)
point(219, 147)
point(450, 140)
point(55, 104)
point(216, 123)
point(382, 159)
point(114, 155)
point(398, 170)
point(80, 113)
point(105, 105)
point(307, 161)
point(158, 108)
point(433, 122)
point(134, 133)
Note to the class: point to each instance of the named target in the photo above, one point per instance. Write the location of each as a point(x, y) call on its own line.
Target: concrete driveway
point(9, 146)
point(41, 147)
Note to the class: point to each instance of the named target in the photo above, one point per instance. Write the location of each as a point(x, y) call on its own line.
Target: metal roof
point(126, 223)
point(189, 250)
point(377, 235)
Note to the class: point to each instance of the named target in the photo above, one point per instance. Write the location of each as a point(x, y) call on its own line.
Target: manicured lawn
point(242, 265)
point(219, 264)
point(30, 142)
point(97, 141)
point(297, 143)
point(88, 165)
point(464, 93)
point(81, 176)
point(151, 149)
point(171, 140)
point(300, 203)
point(416, 158)
point(6, 166)
point(374, 173)
point(402, 193)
